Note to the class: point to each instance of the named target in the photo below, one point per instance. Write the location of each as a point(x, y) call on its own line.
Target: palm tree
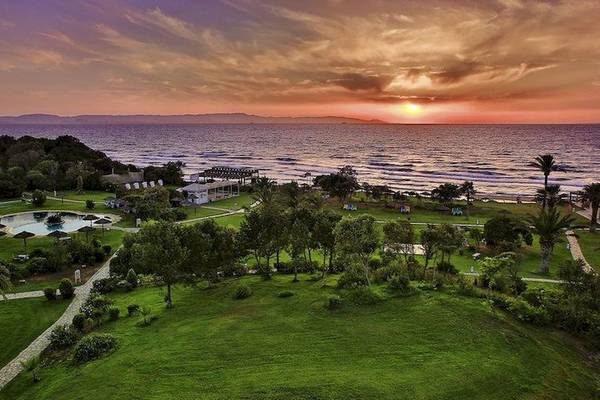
point(548, 224)
point(551, 195)
point(264, 190)
point(79, 171)
point(5, 284)
point(467, 189)
point(591, 193)
point(545, 163)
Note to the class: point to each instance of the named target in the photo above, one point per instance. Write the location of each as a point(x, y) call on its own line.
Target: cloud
point(355, 82)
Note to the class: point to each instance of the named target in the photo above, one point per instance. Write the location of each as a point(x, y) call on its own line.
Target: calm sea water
point(407, 157)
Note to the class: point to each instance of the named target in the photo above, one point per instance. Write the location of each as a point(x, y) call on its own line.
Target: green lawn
point(13, 208)
point(21, 321)
point(199, 212)
point(424, 211)
point(590, 245)
point(97, 195)
point(429, 346)
point(232, 221)
point(235, 203)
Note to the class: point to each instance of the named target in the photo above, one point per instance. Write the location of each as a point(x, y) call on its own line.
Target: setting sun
point(412, 109)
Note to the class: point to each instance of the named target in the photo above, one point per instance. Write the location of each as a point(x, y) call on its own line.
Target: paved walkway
point(577, 253)
point(13, 368)
point(23, 295)
point(542, 280)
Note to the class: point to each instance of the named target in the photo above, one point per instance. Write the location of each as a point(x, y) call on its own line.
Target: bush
point(62, 337)
point(104, 285)
point(133, 309)
point(38, 265)
point(113, 313)
point(363, 295)
point(333, 302)
point(89, 204)
point(352, 278)
point(50, 293)
point(96, 306)
point(384, 274)
point(147, 318)
point(132, 278)
point(93, 346)
point(106, 249)
point(66, 288)
point(79, 322)
point(399, 284)
point(285, 293)
point(38, 198)
point(243, 291)
point(447, 268)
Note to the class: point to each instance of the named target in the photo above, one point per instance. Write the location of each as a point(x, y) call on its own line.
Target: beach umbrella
point(24, 235)
point(2, 233)
point(58, 235)
point(86, 229)
point(102, 222)
point(90, 217)
point(2, 226)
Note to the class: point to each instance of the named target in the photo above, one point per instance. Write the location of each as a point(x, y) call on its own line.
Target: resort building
point(202, 193)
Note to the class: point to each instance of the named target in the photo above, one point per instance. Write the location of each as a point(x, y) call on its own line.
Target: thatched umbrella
point(86, 229)
point(58, 235)
point(90, 217)
point(24, 235)
point(2, 226)
point(2, 233)
point(102, 222)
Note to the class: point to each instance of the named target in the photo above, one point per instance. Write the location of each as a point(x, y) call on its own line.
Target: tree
point(51, 170)
point(506, 234)
point(291, 194)
point(258, 235)
point(299, 237)
point(445, 193)
point(551, 195)
point(38, 198)
point(357, 237)
point(5, 284)
point(79, 172)
point(546, 164)
point(591, 194)
point(264, 189)
point(341, 184)
point(399, 236)
point(324, 235)
point(467, 189)
point(158, 250)
point(429, 242)
point(211, 249)
point(548, 224)
point(450, 239)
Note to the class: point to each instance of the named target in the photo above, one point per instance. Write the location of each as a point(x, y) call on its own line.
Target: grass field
point(12, 208)
point(235, 203)
point(21, 321)
point(590, 245)
point(97, 195)
point(428, 346)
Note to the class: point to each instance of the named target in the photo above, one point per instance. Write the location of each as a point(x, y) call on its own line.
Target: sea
point(405, 157)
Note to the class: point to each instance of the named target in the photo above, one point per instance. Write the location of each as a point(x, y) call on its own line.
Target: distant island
point(218, 118)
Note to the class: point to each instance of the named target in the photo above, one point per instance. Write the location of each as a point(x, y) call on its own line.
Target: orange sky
point(401, 61)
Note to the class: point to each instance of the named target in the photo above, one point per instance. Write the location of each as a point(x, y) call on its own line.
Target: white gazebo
point(201, 193)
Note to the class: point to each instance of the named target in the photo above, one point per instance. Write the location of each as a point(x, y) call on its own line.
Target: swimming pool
point(35, 222)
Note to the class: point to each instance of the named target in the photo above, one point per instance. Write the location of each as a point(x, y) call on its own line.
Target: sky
point(426, 61)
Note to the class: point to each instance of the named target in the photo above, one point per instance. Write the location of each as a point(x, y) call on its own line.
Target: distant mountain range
point(221, 118)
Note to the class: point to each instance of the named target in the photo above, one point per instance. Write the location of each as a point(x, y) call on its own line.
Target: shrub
point(104, 285)
point(38, 198)
point(146, 316)
point(66, 288)
point(285, 293)
point(32, 365)
point(96, 306)
point(133, 309)
point(50, 293)
point(363, 295)
point(242, 291)
point(113, 313)
point(132, 278)
point(384, 274)
point(78, 321)
point(399, 284)
point(38, 265)
point(93, 346)
point(352, 278)
point(89, 204)
point(62, 337)
point(333, 302)
point(106, 249)
point(447, 268)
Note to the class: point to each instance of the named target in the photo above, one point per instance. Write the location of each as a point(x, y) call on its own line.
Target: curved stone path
point(577, 253)
point(13, 368)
